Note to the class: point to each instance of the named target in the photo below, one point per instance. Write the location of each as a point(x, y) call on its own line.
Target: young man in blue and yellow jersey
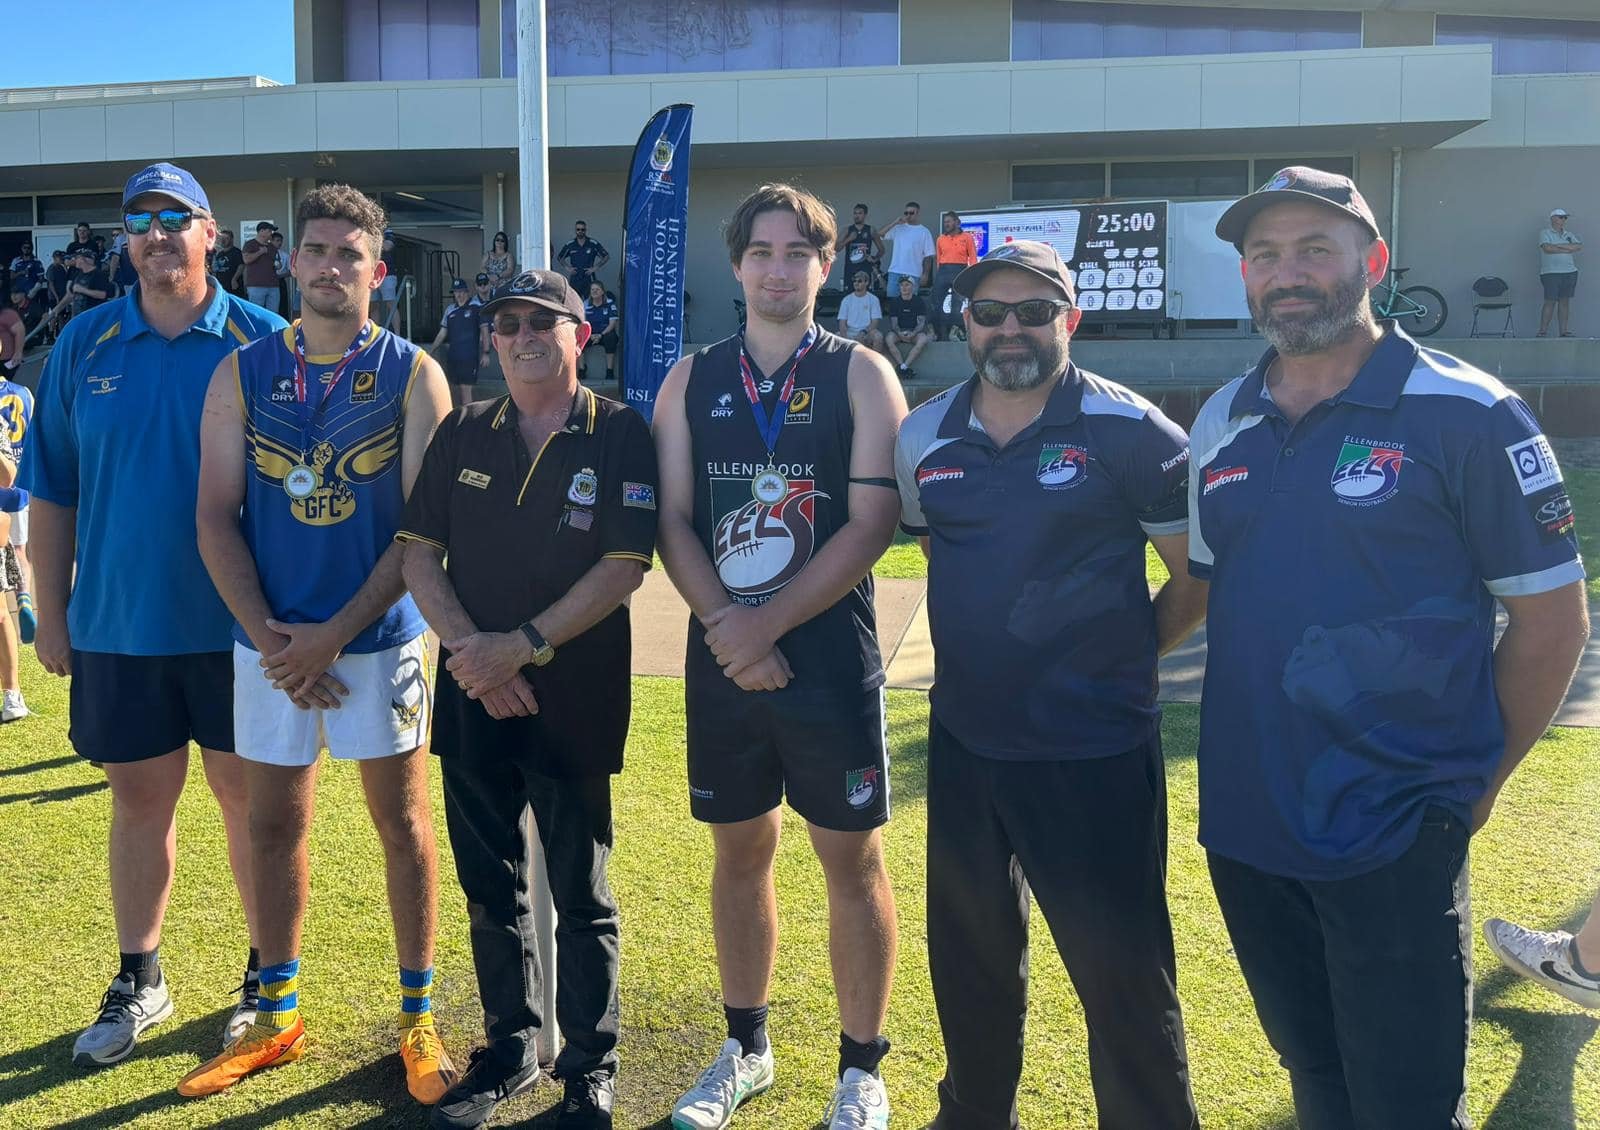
point(111, 465)
point(309, 445)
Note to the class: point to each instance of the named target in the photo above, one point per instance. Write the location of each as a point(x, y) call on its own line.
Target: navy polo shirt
point(581, 256)
point(116, 435)
point(463, 339)
point(1354, 561)
point(1044, 636)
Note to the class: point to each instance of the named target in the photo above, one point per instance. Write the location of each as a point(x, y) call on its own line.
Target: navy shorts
point(1559, 284)
point(461, 370)
point(827, 750)
point(127, 708)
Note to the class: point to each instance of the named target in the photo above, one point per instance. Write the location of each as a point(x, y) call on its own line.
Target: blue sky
point(188, 39)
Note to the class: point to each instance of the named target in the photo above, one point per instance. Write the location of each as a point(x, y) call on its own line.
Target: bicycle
point(1419, 310)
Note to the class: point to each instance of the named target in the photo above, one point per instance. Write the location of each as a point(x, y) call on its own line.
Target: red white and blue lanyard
point(308, 423)
point(771, 427)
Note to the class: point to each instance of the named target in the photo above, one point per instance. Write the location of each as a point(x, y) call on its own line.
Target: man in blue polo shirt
point(1034, 487)
point(464, 333)
point(112, 464)
point(1358, 503)
point(582, 257)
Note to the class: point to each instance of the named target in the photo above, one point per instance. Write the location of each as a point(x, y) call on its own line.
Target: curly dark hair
point(343, 202)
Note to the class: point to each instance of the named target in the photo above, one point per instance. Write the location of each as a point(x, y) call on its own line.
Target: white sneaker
point(722, 1087)
point(244, 1013)
point(1545, 958)
point(859, 1103)
point(124, 1014)
point(12, 707)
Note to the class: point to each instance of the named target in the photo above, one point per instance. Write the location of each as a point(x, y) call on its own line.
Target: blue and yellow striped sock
point(280, 996)
point(416, 997)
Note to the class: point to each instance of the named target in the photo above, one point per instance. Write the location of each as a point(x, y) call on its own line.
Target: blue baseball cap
point(458, 284)
point(169, 180)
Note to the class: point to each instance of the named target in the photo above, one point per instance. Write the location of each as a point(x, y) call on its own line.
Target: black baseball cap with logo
point(1024, 254)
point(482, 279)
point(541, 288)
point(1297, 182)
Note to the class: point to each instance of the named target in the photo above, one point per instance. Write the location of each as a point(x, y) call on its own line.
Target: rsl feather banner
point(655, 228)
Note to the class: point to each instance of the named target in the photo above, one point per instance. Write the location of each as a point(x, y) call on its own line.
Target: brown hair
point(814, 219)
point(347, 203)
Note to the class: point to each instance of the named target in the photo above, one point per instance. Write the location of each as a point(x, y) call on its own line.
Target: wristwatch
point(542, 651)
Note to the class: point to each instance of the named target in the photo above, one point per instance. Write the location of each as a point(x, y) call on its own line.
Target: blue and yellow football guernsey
point(323, 493)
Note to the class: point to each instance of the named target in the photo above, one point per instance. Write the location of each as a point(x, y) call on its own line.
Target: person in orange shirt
point(955, 251)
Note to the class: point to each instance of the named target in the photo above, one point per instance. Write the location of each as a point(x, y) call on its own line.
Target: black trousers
point(484, 801)
point(1089, 838)
point(1364, 985)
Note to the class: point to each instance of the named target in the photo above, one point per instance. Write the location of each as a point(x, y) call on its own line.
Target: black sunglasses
point(509, 325)
point(170, 219)
point(1029, 312)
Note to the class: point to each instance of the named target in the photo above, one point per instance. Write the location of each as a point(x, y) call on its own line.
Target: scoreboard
point(1116, 252)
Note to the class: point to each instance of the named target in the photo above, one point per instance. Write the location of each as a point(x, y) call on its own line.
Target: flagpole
point(533, 166)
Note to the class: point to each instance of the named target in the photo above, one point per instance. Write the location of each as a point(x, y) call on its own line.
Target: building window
point(93, 208)
point(1527, 47)
point(403, 40)
point(16, 211)
point(632, 37)
point(1053, 29)
point(1083, 181)
point(1168, 180)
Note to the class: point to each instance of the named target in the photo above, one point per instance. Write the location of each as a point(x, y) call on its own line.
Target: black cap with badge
point(1297, 182)
point(541, 288)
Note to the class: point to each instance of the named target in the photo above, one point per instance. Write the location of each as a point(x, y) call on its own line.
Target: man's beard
point(169, 272)
point(1018, 374)
point(1342, 311)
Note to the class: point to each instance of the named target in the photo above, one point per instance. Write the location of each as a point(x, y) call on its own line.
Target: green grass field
point(1534, 1062)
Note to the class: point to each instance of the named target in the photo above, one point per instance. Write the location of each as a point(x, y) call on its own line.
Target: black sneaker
point(587, 1104)
point(483, 1086)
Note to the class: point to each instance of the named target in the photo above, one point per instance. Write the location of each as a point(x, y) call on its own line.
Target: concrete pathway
point(660, 621)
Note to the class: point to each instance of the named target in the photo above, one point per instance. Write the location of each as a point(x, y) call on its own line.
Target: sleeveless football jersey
point(323, 494)
point(758, 547)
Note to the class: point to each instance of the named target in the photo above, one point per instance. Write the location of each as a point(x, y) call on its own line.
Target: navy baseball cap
point(1025, 255)
point(169, 180)
point(458, 284)
point(482, 278)
point(1297, 182)
point(541, 288)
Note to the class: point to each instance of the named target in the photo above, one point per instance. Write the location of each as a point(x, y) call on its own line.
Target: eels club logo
point(1367, 472)
point(760, 547)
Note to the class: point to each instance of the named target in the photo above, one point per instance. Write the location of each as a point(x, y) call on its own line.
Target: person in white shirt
point(912, 257)
point(1557, 271)
point(859, 312)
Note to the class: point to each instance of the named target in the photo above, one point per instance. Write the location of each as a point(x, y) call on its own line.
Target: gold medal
point(300, 482)
point(769, 487)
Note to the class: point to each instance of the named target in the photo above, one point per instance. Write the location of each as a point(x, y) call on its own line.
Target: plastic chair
point(1491, 292)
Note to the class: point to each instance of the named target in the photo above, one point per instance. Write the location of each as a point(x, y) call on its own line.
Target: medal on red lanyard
point(302, 481)
point(769, 486)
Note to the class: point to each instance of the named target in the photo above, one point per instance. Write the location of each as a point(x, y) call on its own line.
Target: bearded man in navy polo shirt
point(1358, 503)
point(1034, 487)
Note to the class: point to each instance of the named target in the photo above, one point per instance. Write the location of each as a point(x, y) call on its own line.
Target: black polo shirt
point(519, 529)
point(1037, 597)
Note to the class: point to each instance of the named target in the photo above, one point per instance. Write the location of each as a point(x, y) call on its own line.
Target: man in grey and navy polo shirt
point(1358, 503)
point(1034, 487)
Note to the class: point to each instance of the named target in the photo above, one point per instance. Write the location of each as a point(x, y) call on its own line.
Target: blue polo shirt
point(581, 256)
point(1354, 561)
point(1044, 637)
point(116, 434)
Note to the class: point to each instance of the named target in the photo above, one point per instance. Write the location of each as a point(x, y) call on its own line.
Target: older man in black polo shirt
point(544, 502)
point(1034, 487)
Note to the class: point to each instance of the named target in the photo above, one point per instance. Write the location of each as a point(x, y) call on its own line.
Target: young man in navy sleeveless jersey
point(776, 450)
point(310, 442)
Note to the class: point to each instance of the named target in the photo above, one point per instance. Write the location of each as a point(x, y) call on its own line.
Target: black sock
point(1577, 963)
point(863, 1057)
point(748, 1026)
point(610, 376)
point(144, 968)
point(252, 966)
